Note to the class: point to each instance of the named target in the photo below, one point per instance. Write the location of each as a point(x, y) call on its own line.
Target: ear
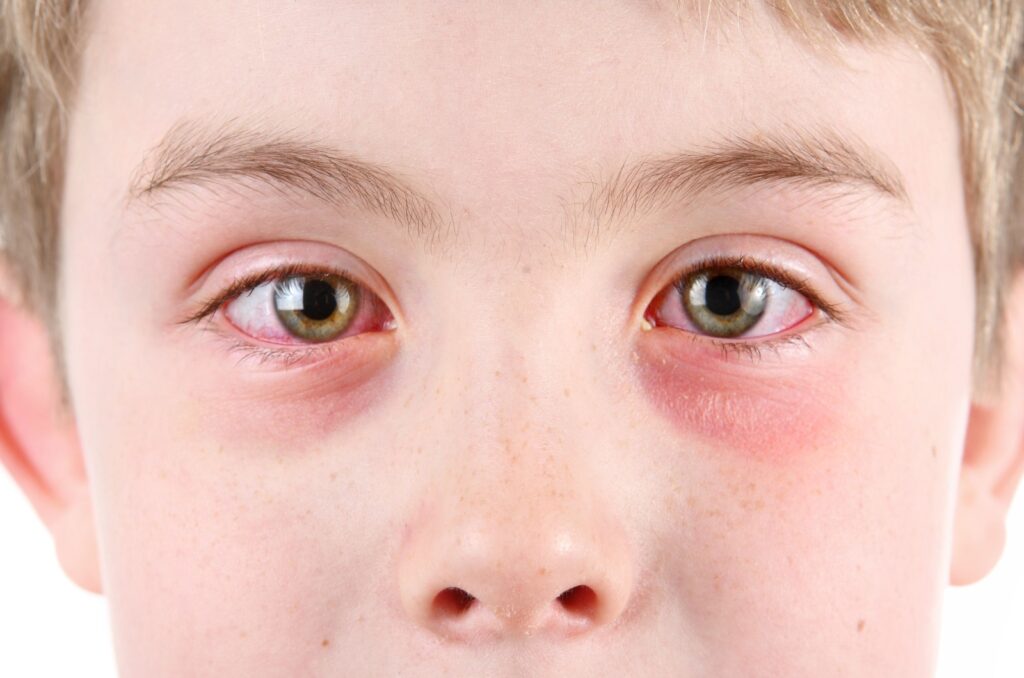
point(993, 458)
point(39, 442)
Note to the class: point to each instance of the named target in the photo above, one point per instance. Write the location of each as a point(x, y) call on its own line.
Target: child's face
point(497, 417)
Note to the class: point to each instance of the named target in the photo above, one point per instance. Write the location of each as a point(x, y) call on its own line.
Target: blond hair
point(977, 43)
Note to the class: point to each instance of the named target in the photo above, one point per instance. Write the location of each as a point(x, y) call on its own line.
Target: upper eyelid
point(746, 264)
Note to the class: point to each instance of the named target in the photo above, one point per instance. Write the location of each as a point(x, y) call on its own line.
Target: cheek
point(239, 563)
point(766, 412)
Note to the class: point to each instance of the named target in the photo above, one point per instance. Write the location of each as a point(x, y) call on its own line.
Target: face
point(423, 339)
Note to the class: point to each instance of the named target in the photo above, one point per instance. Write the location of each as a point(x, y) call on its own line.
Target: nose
point(514, 563)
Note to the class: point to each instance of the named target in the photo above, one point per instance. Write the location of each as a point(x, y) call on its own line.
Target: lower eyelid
point(775, 348)
point(756, 350)
point(262, 355)
point(351, 352)
point(768, 414)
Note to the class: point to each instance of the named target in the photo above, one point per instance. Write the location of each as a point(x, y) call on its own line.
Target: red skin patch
point(294, 409)
point(768, 411)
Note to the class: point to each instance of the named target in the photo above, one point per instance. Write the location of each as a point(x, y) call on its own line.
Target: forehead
point(493, 104)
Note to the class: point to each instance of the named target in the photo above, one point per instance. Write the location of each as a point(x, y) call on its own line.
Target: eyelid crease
point(763, 268)
point(250, 282)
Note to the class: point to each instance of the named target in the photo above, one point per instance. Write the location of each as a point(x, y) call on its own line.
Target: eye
point(303, 308)
point(729, 302)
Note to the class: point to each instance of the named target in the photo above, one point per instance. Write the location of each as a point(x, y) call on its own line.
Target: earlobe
point(993, 459)
point(39, 443)
point(979, 531)
point(74, 534)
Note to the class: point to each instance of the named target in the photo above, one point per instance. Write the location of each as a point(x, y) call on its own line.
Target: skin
point(519, 432)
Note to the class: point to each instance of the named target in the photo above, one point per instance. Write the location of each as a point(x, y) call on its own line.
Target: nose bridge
point(511, 368)
point(514, 423)
point(512, 536)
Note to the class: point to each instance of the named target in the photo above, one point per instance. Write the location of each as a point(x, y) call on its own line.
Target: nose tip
point(478, 584)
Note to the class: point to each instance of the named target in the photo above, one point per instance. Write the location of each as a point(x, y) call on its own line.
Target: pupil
point(318, 299)
point(722, 295)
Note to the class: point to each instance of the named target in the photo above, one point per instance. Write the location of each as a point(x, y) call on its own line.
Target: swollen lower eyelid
point(261, 355)
point(764, 417)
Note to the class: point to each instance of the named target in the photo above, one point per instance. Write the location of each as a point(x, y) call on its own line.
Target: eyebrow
point(193, 156)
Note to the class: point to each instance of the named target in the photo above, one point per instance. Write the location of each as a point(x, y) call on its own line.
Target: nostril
point(579, 600)
point(452, 602)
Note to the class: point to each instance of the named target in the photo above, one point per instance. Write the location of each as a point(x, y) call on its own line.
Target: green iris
point(724, 302)
point(316, 308)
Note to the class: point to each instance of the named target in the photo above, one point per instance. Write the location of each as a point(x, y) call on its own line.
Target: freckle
point(325, 643)
point(935, 452)
point(566, 391)
point(542, 571)
point(526, 269)
point(497, 373)
point(334, 476)
point(860, 626)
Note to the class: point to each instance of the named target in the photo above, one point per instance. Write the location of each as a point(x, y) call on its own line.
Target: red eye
point(729, 302)
point(305, 309)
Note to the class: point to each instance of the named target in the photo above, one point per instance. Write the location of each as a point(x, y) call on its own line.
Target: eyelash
point(748, 349)
point(262, 355)
point(753, 349)
point(254, 280)
point(287, 357)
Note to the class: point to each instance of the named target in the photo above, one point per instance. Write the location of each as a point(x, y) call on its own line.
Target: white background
point(49, 628)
